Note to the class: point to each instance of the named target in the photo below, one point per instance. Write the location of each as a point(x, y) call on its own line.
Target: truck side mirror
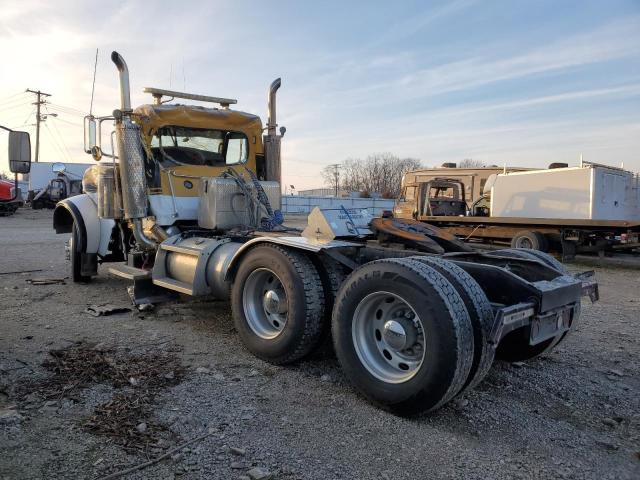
point(90, 135)
point(19, 152)
point(58, 167)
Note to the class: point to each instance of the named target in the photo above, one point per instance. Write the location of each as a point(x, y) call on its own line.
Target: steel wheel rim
point(388, 337)
point(524, 243)
point(264, 301)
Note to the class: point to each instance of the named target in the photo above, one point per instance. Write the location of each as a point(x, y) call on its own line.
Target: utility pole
point(336, 176)
point(38, 103)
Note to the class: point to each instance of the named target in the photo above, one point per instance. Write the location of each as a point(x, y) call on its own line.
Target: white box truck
point(587, 192)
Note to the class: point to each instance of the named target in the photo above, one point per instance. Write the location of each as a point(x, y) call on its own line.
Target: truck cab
point(440, 196)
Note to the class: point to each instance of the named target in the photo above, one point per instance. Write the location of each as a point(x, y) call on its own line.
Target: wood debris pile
point(137, 377)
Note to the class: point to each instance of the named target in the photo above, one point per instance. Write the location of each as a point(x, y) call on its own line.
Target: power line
point(64, 145)
point(13, 98)
point(12, 95)
point(58, 119)
point(64, 107)
point(55, 127)
point(54, 141)
point(13, 107)
point(16, 103)
point(29, 116)
point(64, 112)
point(17, 115)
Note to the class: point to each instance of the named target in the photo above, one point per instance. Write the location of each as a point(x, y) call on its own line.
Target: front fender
point(95, 232)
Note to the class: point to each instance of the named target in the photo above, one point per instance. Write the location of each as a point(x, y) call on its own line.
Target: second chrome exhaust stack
point(271, 141)
point(271, 121)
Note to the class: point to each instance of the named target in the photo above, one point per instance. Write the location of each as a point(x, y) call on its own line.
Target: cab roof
point(153, 117)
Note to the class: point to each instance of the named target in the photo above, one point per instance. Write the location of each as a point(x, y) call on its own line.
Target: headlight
point(90, 180)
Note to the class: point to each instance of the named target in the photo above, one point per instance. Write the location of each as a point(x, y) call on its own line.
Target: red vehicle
point(19, 162)
point(7, 193)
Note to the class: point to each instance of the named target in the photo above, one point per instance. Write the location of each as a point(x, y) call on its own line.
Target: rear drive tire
point(402, 335)
point(480, 313)
point(277, 303)
point(75, 256)
point(332, 275)
point(530, 240)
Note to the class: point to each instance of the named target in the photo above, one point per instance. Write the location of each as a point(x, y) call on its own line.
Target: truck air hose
point(274, 217)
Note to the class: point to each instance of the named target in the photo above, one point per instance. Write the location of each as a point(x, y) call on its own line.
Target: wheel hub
point(395, 335)
point(272, 303)
point(264, 303)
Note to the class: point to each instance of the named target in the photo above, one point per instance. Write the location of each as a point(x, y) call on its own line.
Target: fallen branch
point(168, 453)
point(46, 281)
point(21, 271)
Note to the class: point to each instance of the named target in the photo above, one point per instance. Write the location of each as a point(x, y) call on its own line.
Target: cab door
point(406, 204)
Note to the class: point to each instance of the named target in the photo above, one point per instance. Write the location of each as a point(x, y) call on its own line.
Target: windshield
point(198, 146)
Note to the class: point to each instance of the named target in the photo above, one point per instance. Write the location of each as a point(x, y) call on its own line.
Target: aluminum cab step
point(123, 270)
point(175, 285)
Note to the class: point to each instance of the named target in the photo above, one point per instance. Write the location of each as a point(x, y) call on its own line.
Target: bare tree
point(471, 163)
point(331, 176)
point(378, 173)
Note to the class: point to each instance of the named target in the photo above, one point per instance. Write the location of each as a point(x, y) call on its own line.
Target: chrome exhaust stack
point(131, 156)
point(271, 121)
point(125, 90)
point(272, 140)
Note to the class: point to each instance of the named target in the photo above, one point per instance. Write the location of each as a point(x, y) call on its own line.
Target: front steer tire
point(447, 335)
point(283, 331)
point(75, 256)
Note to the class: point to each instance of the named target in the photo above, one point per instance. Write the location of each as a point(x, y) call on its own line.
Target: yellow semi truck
point(188, 203)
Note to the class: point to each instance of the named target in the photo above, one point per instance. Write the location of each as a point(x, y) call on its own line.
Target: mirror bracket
point(96, 153)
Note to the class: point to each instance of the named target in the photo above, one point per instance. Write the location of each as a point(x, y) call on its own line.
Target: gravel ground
point(571, 414)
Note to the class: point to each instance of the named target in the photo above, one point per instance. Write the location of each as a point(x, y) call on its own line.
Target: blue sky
point(522, 83)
